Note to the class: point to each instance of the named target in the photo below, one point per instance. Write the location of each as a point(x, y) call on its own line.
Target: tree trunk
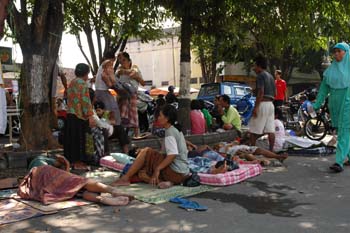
point(39, 42)
point(185, 72)
point(202, 62)
point(287, 64)
point(35, 101)
point(214, 59)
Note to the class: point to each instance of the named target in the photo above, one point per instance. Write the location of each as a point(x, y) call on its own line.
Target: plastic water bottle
point(311, 111)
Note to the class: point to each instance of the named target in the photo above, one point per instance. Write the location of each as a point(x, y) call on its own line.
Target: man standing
point(3, 104)
point(281, 88)
point(263, 117)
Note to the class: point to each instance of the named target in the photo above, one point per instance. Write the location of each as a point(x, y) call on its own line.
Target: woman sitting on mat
point(158, 169)
point(48, 184)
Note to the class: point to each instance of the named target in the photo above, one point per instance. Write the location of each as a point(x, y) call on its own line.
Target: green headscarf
point(337, 75)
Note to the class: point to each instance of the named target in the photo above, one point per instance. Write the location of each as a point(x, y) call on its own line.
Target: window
point(248, 90)
point(194, 80)
point(210, 90)
point(148, 83)
point(240, 91)
point(165, 83)
point(227, 90)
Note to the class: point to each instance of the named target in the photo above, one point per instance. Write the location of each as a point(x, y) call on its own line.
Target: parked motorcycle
point(145, 109)
point(245, 108)
point(291, 113)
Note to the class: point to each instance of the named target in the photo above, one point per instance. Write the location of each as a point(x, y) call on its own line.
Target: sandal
point(336, 168)
point(347, 163)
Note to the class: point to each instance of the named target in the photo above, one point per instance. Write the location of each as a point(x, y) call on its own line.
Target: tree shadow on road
point(266, 200)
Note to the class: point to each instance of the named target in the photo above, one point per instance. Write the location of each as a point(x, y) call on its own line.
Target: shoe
point(336, 168)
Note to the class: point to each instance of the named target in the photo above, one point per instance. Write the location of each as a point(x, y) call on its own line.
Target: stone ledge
point(20, 159)
point(205, 139)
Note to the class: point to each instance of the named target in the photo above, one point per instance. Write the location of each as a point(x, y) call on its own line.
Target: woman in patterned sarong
point(127, 72)
point(49, 184)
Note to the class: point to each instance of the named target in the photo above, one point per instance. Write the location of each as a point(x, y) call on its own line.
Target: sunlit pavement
point(304, 197)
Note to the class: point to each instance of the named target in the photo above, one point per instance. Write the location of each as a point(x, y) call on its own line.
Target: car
point(234, 90)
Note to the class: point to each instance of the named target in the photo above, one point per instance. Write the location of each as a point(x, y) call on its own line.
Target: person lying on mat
point(48, 184)
point(162, 170)
point(249, 153)
point(210, 165)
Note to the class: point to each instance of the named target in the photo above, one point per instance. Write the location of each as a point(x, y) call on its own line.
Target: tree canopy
point(284, 31)
point(109, 23)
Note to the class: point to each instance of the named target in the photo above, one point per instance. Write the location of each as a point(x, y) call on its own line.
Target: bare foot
point(221, 169)
point(116, 193)
point(282, 157)
point(121, 182)
point(165, 184)
point(265, 162)
point(115, 201)
point(80, 166)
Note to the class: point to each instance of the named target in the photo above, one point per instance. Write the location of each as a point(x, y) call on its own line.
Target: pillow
point(122, 158)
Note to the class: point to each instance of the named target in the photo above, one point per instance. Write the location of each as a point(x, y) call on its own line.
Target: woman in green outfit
point(336, 84)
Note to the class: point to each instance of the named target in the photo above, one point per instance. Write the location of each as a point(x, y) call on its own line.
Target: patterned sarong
point(48, 184)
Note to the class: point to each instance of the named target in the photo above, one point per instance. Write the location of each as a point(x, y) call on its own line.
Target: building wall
point(159, 61)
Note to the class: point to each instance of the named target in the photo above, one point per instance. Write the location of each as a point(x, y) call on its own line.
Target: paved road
point(303, 198)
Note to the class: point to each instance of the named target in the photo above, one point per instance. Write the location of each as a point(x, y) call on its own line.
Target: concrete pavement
point(303, 198)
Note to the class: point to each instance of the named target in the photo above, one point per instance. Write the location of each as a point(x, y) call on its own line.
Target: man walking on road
point(262, 121)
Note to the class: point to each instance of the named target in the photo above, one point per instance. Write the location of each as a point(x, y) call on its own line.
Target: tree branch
point(3, 15)
point(88, 33)
point(38, 22)
point(82, 51)
point(18, 24)
point(24, 8)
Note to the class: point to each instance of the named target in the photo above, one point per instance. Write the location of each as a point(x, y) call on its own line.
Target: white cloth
point(3, 105)
point(1, 78)
point(100, 84)
point(301, 142)
point(264, 121)
point(234, 149)
point(280, 135)
point(103, 124)
point(3, 113)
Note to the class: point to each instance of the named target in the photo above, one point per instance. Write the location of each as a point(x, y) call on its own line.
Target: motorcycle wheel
point(60, 123)
point(16, 126)
point(315, 129)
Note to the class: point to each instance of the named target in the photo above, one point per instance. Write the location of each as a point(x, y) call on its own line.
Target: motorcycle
point(291, 112)
point(145, 109)
point(245, 108)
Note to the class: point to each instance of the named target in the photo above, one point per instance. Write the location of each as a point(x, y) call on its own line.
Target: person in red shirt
point(281, 89)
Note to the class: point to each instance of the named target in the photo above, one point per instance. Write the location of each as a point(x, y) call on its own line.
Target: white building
point(159, 61)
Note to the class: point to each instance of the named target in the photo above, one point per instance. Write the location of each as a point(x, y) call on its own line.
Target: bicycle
point(318, 127)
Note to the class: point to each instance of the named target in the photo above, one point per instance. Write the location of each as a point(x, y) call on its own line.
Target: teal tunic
point(339, 108)
point(338, 104)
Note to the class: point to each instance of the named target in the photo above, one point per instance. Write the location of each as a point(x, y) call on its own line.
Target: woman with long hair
point(127, 72)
